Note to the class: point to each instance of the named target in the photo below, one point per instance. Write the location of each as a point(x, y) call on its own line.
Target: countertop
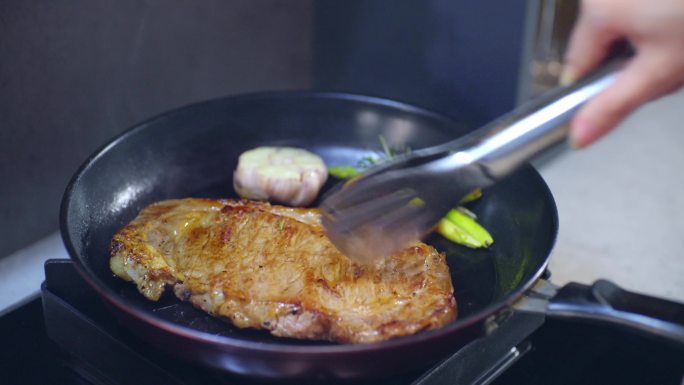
point(621, 204)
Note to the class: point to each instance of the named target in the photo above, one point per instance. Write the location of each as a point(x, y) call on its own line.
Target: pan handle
point(605, 302)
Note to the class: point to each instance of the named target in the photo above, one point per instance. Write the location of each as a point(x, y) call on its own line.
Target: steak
point(272, 267)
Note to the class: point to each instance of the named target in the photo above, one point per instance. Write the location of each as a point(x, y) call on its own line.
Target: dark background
point(73, 74)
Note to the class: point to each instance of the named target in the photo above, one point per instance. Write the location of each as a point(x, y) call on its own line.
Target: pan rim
point(226, 342)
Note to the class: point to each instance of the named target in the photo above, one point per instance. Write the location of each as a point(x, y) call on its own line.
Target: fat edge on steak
point(272, 267)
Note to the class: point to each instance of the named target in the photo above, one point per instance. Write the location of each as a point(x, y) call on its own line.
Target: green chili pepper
point(461, 228)
point(343, 172)
point(475, 194)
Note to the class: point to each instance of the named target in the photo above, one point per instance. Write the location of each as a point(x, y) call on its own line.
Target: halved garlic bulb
point(284, 174)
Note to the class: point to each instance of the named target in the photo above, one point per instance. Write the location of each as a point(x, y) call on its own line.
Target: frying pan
point(192, 152)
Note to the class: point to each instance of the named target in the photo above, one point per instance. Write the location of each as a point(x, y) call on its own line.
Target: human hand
point(656, 30)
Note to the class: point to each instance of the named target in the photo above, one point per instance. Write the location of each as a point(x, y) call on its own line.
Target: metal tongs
point(399, 202)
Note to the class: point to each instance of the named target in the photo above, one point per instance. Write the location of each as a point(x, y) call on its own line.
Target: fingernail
point(567, 76)
point(574, 144)
point(580, 132)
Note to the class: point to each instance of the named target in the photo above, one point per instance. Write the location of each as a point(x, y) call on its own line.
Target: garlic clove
point(285, 174)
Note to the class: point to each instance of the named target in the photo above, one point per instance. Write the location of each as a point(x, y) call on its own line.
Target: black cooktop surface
point(558, 352)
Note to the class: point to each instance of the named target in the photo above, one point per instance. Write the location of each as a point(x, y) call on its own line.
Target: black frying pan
point(191, 152)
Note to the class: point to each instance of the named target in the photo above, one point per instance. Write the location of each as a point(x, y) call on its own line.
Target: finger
point(642, 80)
point(589, 43)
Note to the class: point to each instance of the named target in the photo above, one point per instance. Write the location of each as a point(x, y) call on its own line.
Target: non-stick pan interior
point(192, 152)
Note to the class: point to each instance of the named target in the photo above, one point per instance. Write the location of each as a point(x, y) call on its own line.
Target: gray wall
point(75, 73)
point(466, 59)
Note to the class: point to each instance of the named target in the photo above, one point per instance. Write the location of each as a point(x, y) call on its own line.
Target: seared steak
point(272, 267)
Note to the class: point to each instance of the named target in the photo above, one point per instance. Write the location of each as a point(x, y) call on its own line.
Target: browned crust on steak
point(273, 267)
